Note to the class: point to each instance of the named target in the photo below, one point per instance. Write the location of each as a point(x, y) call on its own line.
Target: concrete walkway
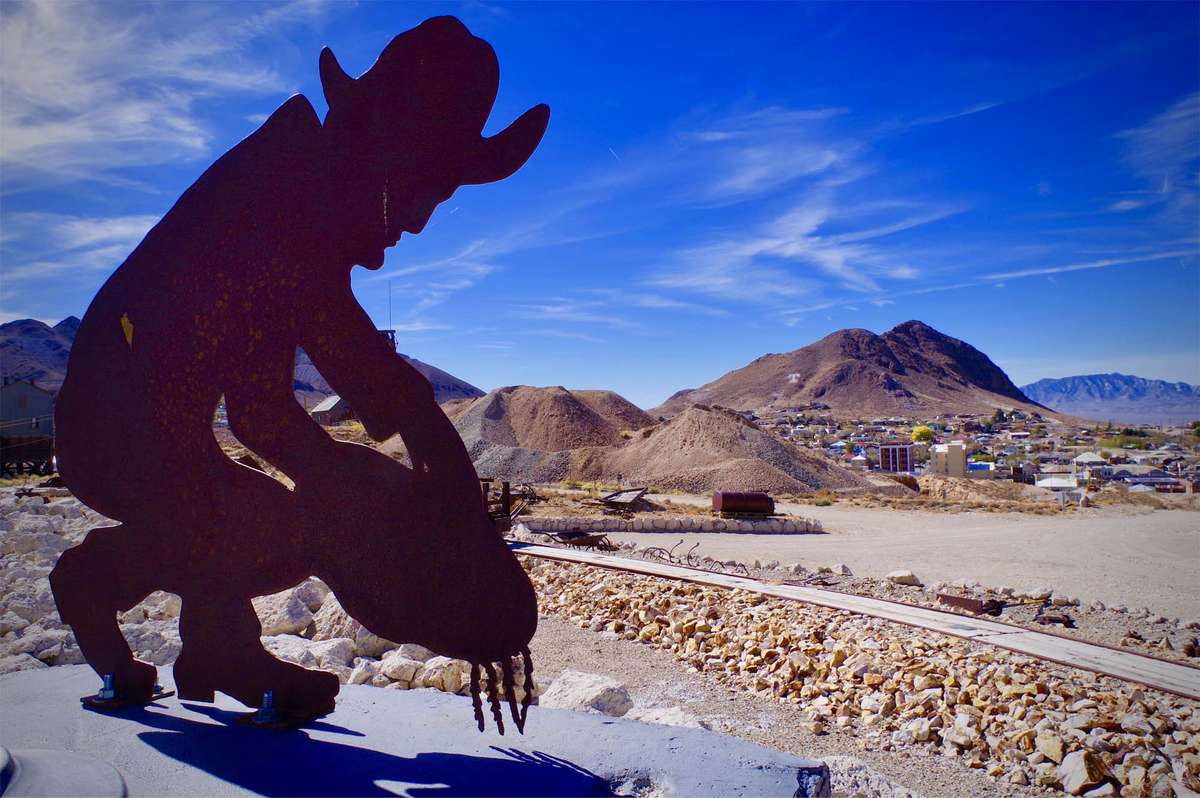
point(1158, 674)
point(388, 742)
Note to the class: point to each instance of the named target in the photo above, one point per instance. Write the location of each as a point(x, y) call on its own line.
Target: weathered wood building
point(26, 428)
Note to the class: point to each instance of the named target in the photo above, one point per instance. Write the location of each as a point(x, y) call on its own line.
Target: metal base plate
point(95, 702)
point(281, 723)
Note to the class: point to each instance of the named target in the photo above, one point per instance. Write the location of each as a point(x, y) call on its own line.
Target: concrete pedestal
point(63, 774)
point(388, 742)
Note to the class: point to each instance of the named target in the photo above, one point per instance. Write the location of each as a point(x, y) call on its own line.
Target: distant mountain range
point(33, 350)
point(1120, 398)
point(909, 370)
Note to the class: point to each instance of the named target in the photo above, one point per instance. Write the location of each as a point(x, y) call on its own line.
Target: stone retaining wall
point(687, 523)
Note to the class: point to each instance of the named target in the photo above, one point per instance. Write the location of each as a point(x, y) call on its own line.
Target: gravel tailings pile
point(1022, 721)
point(547, 419)
point(528, 434)
point(704, 449)
point(616, 409)
point(549, 434)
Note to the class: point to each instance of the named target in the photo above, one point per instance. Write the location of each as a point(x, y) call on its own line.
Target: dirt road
point(1148, 559)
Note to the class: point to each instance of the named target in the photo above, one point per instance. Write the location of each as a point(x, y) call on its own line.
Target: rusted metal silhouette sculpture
point(252, 261)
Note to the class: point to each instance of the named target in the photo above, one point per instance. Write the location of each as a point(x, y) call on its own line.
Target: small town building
point(331, 410)
point(1087, 461)
point(985, 470)
point(896, 458)
point(1058, 483)
point(26, 427)
point(948, 459)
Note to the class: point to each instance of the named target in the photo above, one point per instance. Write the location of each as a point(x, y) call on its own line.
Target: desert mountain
point(911, 369)
point(33, 350)
point(1119, 397)
point(525, 434)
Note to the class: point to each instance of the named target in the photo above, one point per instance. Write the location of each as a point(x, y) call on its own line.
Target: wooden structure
point(332, 410)
point(26, 428)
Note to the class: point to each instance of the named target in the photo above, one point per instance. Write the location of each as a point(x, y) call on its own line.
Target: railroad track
point(1158, 674)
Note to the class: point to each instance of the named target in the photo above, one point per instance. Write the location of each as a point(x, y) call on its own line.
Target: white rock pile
point(1019, 719)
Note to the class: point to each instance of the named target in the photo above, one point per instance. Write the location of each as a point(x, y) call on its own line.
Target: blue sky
point(717, 182)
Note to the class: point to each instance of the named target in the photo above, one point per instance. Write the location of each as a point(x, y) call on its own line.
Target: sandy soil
point(1139, 559)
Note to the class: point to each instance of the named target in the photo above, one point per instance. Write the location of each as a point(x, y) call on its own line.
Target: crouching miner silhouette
point(253, 261)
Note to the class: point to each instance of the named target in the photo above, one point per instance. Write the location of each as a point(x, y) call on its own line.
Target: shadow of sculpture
point(294, 764)
point(251, 262)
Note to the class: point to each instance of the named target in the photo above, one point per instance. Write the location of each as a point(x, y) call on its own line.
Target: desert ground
point(1118, 556)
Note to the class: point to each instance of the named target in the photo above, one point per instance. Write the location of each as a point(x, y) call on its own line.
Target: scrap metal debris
point(692, 560)
point(978, 606)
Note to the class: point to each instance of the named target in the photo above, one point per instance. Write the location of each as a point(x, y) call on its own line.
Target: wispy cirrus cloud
point(1164, 153)
point(93, 88)
point(1102, 263)
point(37, 246)
point(802, 251)
point(716, 160)
point(792, 315)
point(573, 311)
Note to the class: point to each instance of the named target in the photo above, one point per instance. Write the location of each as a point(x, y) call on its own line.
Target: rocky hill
point(911, 369)
point(33, 350)
point(1120, 398)
point(525, 434)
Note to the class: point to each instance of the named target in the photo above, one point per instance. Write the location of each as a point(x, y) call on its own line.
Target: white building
point(948, 459)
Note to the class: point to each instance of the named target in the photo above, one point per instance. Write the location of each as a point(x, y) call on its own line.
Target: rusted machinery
point(978, 606)
point(621, 502)
point(505, 504)
point(693, 560)
point(742, 504)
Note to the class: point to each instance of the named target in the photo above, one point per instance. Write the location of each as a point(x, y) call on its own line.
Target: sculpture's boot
point(222, 652)
point(91, 585)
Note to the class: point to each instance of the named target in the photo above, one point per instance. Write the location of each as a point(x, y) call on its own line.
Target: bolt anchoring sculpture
point(252, 262)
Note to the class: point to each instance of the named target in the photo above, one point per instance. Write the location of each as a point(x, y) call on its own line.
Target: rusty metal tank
point(731, 502)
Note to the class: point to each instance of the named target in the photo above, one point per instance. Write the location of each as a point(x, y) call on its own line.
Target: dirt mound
point(616, 409)
point(546, 419)
point(526, 434)
point(706, 448)
point(980, 490)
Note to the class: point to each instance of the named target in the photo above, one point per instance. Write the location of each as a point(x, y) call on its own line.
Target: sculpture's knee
point(70, 583)
point(94, 576)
